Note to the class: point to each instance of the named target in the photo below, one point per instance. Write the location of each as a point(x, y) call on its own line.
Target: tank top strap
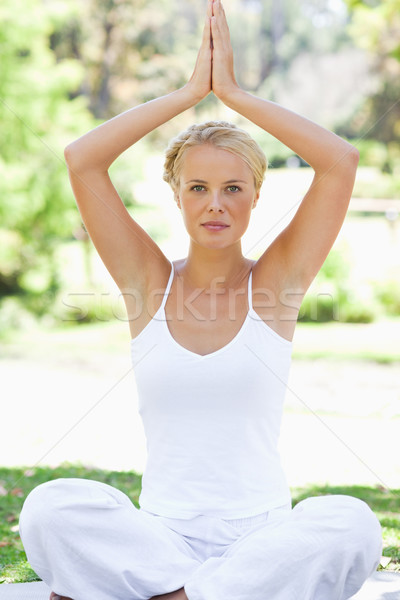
point(250, 290)
point(168, 288)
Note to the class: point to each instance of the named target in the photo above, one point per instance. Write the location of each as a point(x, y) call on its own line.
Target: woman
point(211, 350)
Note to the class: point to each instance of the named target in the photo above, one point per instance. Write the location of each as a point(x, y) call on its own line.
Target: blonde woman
point(211, 350)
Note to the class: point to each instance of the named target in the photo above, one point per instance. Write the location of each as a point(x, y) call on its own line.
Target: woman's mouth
point(215, 225)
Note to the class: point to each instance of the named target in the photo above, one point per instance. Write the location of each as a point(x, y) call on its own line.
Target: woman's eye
point(198, 188)
point(233, 188)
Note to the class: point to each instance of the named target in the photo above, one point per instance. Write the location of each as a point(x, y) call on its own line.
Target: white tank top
point(212, 421)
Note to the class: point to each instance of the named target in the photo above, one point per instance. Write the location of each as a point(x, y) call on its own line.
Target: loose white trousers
point(87, 540)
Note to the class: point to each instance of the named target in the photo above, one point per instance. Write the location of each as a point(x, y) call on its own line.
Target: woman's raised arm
point(130, 255)
point(300, 250)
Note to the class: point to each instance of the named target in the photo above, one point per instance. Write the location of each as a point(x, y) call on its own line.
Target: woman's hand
point(200, 82)
point(223, 74)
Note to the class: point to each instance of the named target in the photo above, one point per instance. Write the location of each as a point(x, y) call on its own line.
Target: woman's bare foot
point(54, 596)
point(178, 595)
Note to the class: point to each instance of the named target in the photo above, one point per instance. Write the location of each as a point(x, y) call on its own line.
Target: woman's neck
point(210, 268)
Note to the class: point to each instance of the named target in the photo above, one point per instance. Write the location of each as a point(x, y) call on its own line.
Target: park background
point(68, 401)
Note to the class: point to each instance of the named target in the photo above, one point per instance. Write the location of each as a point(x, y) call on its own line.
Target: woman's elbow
point(80, 157)
point(70, 155)
point(346, 164)
point(351, 158)
point(354, 156)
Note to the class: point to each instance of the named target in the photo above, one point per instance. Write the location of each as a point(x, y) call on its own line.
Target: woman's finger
point(209, 17)
point(206, 41)
point(219, 33)
point(201, 79)
point(219, 13)
point(215, 30)
point(206, 30)
point(223, 76)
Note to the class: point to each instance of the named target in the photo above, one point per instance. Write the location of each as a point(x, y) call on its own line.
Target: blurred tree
point(36, 121)
point(269, 34)
point(135, 50)
point(376, 28)
point(291, 52)
point(131, 50)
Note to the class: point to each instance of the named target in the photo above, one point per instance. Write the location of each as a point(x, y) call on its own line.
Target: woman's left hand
point(200, 82)
point(223, 74)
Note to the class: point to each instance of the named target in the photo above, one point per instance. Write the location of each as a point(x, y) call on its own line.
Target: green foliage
point(13, 316)
point(333, 296)
point(87, 308)
point(131, 50)
point(375, 28)
point(383, 156)
point(268, 36)
point(388, 294)
point(135, 50)
point(37, 118)
point(336, 306)
point(276, 153)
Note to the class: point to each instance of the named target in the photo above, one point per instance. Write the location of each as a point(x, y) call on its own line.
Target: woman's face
point(216, 195)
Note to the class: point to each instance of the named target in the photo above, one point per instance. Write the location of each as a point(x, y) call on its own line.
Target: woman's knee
point(70, 496)
point(360, 536)
point(356, 516)
point(364, 524)
point(41, 505)
point(348, 519)
point(60, 499)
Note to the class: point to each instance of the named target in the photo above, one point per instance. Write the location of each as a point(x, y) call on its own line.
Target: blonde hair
point(220, 134)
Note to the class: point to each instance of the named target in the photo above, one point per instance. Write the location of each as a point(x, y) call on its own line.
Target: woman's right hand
point(200, 82)
point(223, 73)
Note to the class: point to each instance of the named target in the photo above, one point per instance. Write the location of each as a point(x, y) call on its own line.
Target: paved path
point(381, 586)
point(340, 424)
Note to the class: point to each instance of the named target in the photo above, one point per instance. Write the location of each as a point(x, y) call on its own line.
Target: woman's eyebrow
point(224, 183)
point(235, 181)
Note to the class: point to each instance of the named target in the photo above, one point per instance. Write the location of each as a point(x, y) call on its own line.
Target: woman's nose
point(216, 203)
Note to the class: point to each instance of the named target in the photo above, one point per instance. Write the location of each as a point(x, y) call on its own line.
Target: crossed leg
point(86, 539)
point(324, 549)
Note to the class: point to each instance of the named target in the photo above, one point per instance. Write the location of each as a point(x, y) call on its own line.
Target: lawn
point(15, 484)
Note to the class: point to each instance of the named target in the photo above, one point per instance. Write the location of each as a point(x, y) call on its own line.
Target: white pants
point(87, 540)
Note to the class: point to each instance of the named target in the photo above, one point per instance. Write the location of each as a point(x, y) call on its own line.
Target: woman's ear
point(177, 199)
point(256, 197)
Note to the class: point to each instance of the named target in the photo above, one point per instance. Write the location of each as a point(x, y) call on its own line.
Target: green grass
point(16, 483)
